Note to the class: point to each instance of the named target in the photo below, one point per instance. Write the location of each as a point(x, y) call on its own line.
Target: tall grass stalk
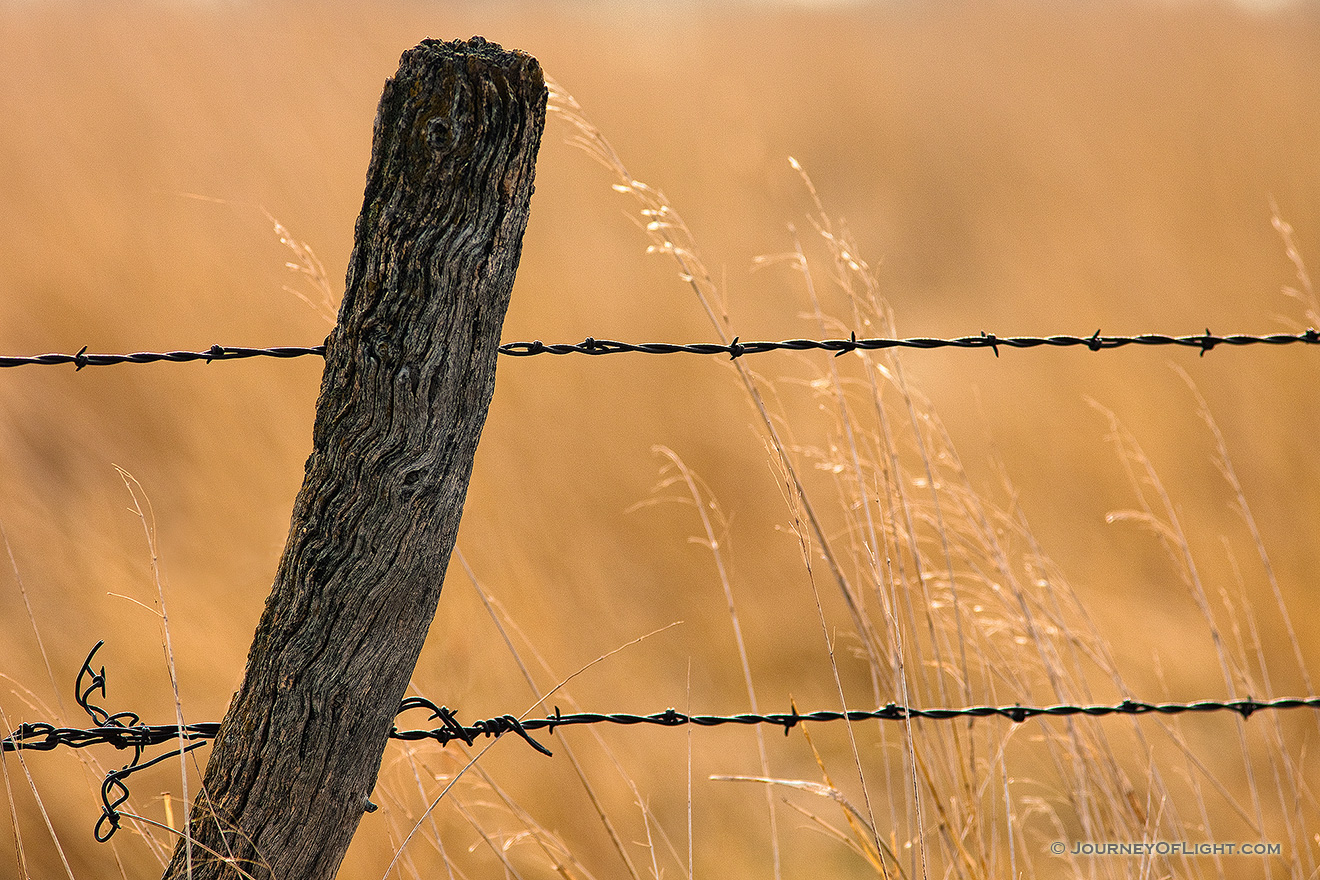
point(951, 598)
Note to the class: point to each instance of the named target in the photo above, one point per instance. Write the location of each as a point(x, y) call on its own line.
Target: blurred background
point(1012, 167)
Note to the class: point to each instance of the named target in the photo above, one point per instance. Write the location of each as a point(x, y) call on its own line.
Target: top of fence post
point(410, 369)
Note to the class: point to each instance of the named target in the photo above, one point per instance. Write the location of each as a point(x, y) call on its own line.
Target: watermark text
point(1164, 848)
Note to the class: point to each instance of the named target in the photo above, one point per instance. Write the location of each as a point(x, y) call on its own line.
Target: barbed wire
point(1206, 341)
point(1095, 342)
point(214, 353)
point(452, 730)
point(124, 730)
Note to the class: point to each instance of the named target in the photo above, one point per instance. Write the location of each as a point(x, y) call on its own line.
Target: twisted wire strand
point(1206, 341)
point(451, 730)
point(124, 730)
point(41, 736)
point(214, 353)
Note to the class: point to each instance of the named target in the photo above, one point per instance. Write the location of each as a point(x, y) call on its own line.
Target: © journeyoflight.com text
point(1165, 848)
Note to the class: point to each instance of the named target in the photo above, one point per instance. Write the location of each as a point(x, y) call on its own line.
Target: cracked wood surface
point(410, 369)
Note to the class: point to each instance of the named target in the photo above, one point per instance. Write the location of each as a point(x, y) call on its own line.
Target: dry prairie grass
point(1019, 168)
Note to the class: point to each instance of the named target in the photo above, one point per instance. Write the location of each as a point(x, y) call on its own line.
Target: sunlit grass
point(1008, 170)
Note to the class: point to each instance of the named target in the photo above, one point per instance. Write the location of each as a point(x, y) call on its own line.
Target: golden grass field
point(1012, 167)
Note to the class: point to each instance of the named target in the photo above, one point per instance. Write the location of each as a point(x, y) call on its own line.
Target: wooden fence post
point(409, 373)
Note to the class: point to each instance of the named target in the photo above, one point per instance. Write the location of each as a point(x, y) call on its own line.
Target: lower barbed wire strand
point(41, 736)
point(891, 712)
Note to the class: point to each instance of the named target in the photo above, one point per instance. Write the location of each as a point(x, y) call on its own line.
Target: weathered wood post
point(409, 373)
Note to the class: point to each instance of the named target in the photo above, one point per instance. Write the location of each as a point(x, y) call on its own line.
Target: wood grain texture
point(410, 369)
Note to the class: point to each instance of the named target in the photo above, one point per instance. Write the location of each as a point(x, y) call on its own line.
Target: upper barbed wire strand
point(735, 349)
